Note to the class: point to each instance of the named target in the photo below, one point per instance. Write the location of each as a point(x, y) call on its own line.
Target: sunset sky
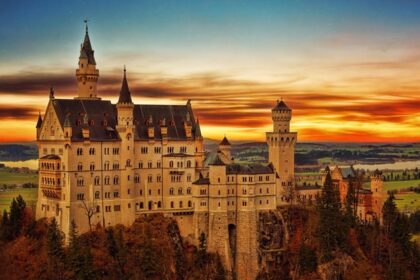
point(350, 70)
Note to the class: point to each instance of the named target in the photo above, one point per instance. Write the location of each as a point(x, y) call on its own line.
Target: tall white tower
point(281, 149)
point(87, 75)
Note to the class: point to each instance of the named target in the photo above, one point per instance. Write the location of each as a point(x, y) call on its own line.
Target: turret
point(281, 115)
point(38, 125)
point(225, 148)
point(125, 105)
point(87, 75)
point(68, 130)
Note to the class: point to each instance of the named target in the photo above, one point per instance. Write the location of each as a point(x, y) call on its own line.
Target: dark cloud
point(16, 112)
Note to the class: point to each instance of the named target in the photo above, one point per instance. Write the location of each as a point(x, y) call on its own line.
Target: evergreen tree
point(55, 250)
point(350, 205)
point(17, 209)
point(332, 230)
point(149, 263)
point(5, 230)
point(117, 249)
point(389, 213)
point(79, 258)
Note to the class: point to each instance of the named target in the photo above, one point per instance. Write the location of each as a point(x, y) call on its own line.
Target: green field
point(9, 178)
point(408, 202)
point(395, 185)
point(6, 197)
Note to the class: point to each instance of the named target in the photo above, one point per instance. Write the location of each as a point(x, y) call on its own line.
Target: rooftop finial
point(86, 24)
point(51, 92)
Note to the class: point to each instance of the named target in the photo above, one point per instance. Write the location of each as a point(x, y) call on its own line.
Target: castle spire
point(125, 95)
point(39, 122)
point(87, 75)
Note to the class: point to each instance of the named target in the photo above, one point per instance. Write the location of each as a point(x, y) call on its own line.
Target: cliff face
point(283, 233)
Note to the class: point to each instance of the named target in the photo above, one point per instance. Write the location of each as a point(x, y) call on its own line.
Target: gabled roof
point(125, 95)
point(86, 50)
point(224, 142)
point(281, 106)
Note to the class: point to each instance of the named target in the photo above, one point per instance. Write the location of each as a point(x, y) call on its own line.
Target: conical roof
point(86, 50)
point(281, 106)
point(224, 142)
point(125, 95)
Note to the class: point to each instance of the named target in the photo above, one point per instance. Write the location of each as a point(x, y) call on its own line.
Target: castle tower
point(125, 128)
point(87, 75)
point(378, 193)
point(218, 239)
point(281, 147)
point(225, 149)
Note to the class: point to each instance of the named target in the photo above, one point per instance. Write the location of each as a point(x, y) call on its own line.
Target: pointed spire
point(125, 95)
point(86, 50)
point(224, 142)
point(39, 122)
point(281, 105)
point(197, 132)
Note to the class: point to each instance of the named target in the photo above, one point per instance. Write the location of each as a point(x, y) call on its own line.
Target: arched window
point(159, 204)
point(141, 205)
point(180, 191)
point(172, 204)
point(189, 203)
point(97, 195)
point(96, 181)
point(189, 164)
point(180, 204)
point(116, 180)
point(128, 163)
point(107, 180)
point(171, 164)
point(188, 190)
point(171, 191)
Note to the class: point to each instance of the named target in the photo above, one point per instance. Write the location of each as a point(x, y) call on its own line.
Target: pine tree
point(332, 231)
point(117, 249)
point(79, 258)
point(202, 251)
point(17, 209)
point(350, 205)
point(55, 250)
point(5, 231)
point(389, 213)
point(149, 263)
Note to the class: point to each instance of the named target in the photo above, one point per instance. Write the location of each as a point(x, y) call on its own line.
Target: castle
point(104, 163)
